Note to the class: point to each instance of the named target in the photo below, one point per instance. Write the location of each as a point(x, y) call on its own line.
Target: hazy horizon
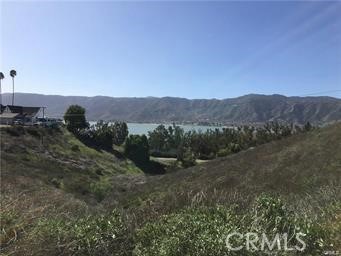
point(9, 94)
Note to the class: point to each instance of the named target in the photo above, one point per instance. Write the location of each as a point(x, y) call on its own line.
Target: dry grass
point(24, 202)
point(304, 169)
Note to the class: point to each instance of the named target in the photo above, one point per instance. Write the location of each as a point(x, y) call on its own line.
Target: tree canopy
point(75, 118)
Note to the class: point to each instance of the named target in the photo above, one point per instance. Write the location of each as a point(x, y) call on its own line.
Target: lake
point(144, 128)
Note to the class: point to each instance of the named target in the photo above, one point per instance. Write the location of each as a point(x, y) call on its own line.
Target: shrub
point(187, 157)
point(100, 189)
point(90, 235)
point(120, 132)
point(15, 131)
point(307, 127)
point(234, 147)
point(75, 148)
point(137, 148)
point(223, 152)
point(104, 134)
point(57, 183)
point(75, 118)
point(33, 131)
point(203, 231)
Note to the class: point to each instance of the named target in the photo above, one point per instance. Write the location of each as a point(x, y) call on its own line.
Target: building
point(8, 118)
point(23, 115)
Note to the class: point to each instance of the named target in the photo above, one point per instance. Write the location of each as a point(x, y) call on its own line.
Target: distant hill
point(251, 108)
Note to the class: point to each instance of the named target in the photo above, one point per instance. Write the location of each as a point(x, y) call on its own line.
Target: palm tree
point(1, 77)
point(13, 73)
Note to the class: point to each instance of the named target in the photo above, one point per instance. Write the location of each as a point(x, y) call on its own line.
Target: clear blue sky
point(185, 49)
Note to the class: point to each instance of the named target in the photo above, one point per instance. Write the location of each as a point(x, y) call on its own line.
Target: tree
point(137, 148)
point(1, 77)
point(158, 139)
point(13, 73)
point(186, 157)
point(120, 132)
point(307, 127)
point(75, 118)
point(102, 134)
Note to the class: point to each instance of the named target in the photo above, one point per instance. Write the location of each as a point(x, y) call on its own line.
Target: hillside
point(60, 197)
point(251, 108)
point(57, 159)
point(303, 166)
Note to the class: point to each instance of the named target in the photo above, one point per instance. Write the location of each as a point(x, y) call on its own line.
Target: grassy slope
point(305, 169)
point(300, 167)
point(57, 158)
point(47, 173)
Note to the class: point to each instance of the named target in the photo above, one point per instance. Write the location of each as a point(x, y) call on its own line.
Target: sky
point(192, 49)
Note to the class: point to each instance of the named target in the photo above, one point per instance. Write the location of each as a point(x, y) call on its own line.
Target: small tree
point(158, 139)
point(186, 157)
point(120, 132)
point(102, 135)
point(75, 118)
point(137, 148)
point(307, 127)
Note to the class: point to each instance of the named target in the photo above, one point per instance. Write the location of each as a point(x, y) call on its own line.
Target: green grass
point(203, 230)
point(57, 158)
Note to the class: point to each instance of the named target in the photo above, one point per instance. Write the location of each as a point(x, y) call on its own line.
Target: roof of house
point(27, 111)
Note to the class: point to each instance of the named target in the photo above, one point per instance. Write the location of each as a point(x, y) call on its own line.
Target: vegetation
point(89, 235)
point(55, 156)
point(137, 148)
point(61, 197)
point(104, 135)
point(75, 118)
point(203, 231)
point(187, 146)
point(186, 157)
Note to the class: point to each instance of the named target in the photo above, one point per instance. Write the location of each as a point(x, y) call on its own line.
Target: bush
point(120, 132)
point(206, 145)
point(137, 148)
point(75, 148)
point(33, 131)
point(75, 118)
point(234, 148)
point(168, 154)
point(100, 189)
point(57, 183)
point(90, 235)
point(15, 131)
point(187, 158)
point(103, 135)
point(203, 231)
point(223, 152)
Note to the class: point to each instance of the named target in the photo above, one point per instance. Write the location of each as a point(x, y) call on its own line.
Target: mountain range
point(252, 108)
